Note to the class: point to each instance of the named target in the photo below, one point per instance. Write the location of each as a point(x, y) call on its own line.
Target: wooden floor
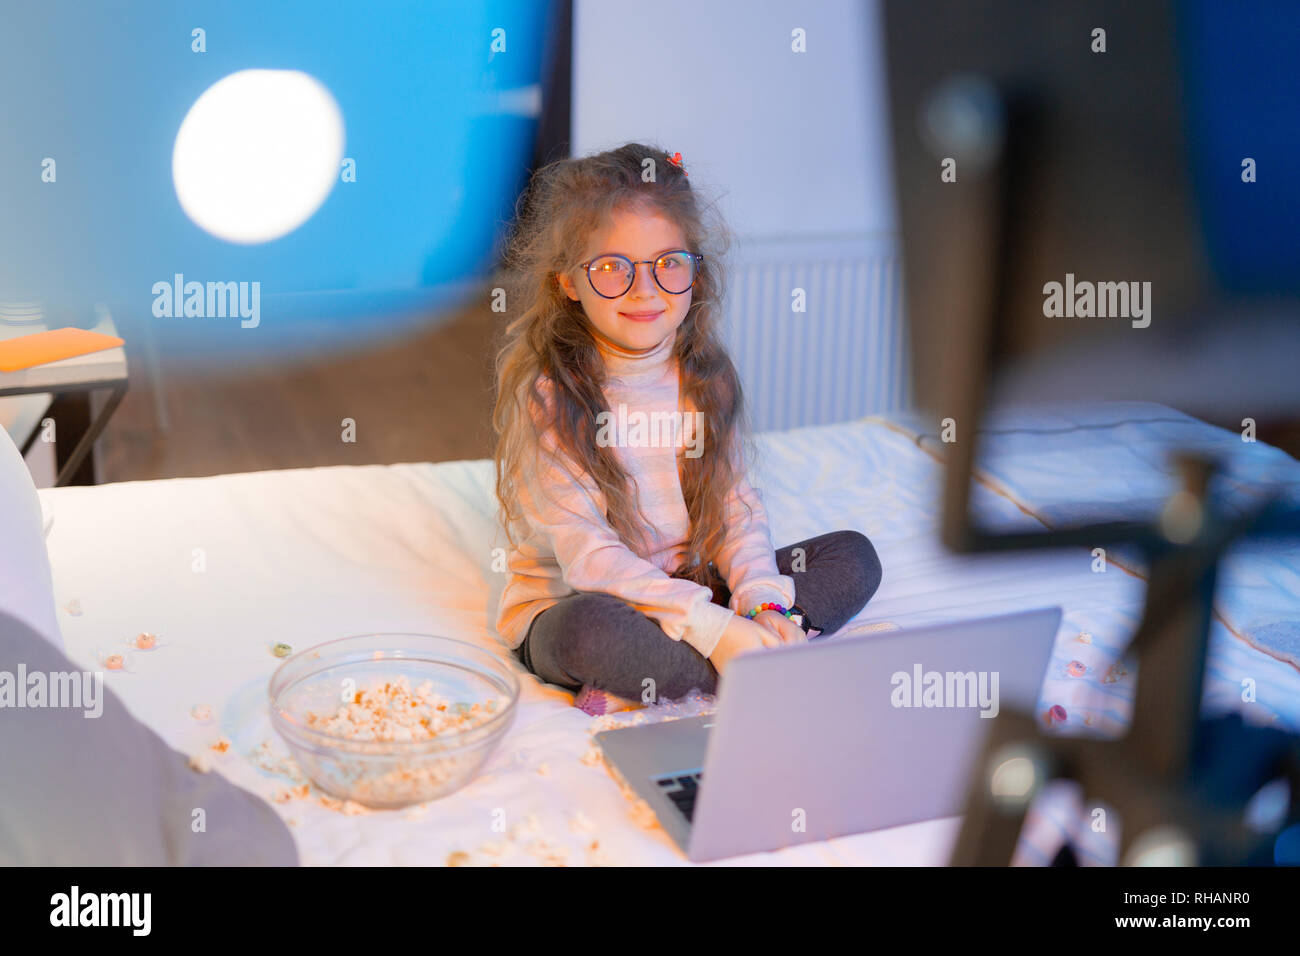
point(426, 397)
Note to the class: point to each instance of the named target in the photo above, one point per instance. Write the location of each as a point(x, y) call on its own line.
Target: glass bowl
point(386, 773)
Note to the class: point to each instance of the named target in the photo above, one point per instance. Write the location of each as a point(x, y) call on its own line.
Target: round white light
point(1014, 779)
point(257, 154)
point(1162, 846)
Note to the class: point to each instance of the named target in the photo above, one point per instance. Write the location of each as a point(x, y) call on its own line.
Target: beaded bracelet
point(768, 606)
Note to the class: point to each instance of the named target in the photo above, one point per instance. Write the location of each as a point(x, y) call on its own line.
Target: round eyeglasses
point(612, 275)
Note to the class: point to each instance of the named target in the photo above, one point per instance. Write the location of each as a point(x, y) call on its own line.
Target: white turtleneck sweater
point(567, 545)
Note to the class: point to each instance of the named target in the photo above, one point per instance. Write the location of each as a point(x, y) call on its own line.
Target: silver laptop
point(835, 736)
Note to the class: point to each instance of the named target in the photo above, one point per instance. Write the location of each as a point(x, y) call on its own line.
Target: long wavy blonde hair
point(551, 336)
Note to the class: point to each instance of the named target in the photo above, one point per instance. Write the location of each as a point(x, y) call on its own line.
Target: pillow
point(26, 584)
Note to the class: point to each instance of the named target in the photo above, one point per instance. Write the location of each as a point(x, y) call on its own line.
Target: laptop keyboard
point(682, 789)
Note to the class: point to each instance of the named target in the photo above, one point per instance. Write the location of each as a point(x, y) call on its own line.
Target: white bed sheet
point(222, 568)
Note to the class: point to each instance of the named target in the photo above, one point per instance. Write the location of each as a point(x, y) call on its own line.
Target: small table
point(71, 382)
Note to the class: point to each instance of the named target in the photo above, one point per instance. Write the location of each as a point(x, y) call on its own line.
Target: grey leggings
point(598, 639)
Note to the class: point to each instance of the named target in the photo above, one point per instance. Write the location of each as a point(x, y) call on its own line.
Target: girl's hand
point(786, 630)
point(741, 636)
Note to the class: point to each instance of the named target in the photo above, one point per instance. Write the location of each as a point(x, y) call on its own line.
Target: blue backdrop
point(103, 87)
point(1241, 77)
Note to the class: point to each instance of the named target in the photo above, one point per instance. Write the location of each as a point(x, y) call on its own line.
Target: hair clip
point(676, 160)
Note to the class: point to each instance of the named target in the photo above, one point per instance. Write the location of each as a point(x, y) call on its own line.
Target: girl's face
point(645, 315)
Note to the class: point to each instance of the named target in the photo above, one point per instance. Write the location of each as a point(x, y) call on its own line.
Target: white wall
point(798, 140)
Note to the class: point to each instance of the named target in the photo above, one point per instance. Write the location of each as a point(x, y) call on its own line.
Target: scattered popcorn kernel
point(529, 826)
point(642, 815)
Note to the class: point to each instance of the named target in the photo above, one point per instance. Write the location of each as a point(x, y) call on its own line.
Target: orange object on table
point(38, 348)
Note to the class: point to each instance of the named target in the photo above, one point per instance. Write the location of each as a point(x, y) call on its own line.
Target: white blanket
point(222, 568)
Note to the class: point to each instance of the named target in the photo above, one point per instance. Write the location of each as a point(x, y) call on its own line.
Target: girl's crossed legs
point(601, 640)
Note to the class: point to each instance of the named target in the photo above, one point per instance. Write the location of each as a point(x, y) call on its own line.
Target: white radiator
point(845, 356)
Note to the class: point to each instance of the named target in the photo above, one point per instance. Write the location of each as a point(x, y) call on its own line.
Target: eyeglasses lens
point(612, 276)
point(675, 272)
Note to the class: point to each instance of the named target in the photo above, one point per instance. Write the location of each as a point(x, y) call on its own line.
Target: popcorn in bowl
point(388, 720)
point(394, 711)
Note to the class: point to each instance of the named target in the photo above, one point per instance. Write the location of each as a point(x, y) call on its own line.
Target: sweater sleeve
point(564, 504)
point(746, 559)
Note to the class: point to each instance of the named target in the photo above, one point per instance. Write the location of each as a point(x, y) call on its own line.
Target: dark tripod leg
point(1011, 769)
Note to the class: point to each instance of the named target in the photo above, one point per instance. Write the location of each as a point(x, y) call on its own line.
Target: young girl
point(641, 561)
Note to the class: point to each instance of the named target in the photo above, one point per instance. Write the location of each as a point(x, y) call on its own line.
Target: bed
point(222, 568)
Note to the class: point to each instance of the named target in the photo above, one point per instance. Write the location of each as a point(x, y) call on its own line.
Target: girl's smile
point(642, 316)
